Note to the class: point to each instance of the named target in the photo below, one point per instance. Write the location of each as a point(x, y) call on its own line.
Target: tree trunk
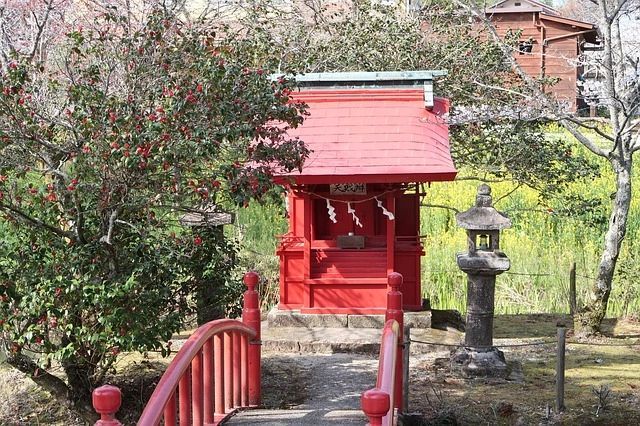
point(588, 321)
point(79, 379)
point(56, 386)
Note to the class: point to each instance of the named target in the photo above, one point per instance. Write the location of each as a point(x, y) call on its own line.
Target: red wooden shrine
point(354, 207)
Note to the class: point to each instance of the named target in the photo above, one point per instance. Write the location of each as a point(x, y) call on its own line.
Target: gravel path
point(312, 389)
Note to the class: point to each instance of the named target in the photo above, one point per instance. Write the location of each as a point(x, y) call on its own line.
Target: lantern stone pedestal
point(482, 263)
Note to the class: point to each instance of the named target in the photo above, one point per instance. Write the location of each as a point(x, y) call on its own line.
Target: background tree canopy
point(104, 145)
point(368, 36)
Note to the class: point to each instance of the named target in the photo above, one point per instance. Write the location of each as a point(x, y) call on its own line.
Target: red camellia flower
point(190, 98)
point(197, 240)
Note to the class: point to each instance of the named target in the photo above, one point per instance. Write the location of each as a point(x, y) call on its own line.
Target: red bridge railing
point(379, 403)
point(216, 371)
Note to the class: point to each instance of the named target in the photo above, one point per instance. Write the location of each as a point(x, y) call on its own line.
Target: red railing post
point(375, 404)
point(251, 318)
point(395, 312)
point(218, 369)
point(208, 373)
point(228, 372)
point(106, 402)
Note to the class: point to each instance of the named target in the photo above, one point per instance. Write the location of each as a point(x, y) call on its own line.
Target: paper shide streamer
point(332, 212)
point(352, 211)
point(385, 212)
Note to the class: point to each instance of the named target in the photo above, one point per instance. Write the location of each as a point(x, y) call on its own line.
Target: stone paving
point(335, 384)
point(338, 362)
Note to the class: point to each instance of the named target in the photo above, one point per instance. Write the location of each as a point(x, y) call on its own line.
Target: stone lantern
point(481, 263)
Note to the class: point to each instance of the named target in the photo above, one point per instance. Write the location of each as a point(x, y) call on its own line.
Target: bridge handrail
point(227, 349)
point(166, 387)
point(380, 402)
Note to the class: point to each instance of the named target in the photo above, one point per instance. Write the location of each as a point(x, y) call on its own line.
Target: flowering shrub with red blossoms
point(103, 148)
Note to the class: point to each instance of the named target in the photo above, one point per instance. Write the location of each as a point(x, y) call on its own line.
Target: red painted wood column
point(418, 255)
point(308, 217)
point(391, 233)
point(251, 317)
point(394, 311)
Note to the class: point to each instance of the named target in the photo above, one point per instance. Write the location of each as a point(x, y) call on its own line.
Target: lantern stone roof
point(372, 128)
point(483, 216)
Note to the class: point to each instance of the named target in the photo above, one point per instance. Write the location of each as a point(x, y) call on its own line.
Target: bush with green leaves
point(103, 148)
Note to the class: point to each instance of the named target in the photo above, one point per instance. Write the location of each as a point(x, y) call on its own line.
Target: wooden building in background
point(550, 44)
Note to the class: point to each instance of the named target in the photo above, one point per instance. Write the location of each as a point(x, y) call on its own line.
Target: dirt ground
point(602, 383)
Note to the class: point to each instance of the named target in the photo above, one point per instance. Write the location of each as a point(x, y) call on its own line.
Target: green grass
point(257, 227)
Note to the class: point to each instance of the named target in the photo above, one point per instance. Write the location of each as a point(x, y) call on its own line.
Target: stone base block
point(278, 318)
point(282, 318)
point(421, 320)
point(479, 363)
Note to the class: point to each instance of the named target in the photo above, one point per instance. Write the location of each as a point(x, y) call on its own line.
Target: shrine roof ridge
point(377, 78)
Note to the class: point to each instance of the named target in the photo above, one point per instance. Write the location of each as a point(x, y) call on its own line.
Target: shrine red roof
point(383, 135)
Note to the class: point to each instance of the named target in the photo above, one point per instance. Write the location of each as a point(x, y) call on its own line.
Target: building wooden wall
point(556, 59)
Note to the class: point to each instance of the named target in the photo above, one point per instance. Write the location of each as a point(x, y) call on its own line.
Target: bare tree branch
point(40, 28)
point(18, 214)
point(440, 206)
point(583, 139)
point(583, 123)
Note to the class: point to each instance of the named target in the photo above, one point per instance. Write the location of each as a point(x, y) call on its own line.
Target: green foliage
point(369, 36)
point(257, 228)
point(102, 150)
point(528, 155)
